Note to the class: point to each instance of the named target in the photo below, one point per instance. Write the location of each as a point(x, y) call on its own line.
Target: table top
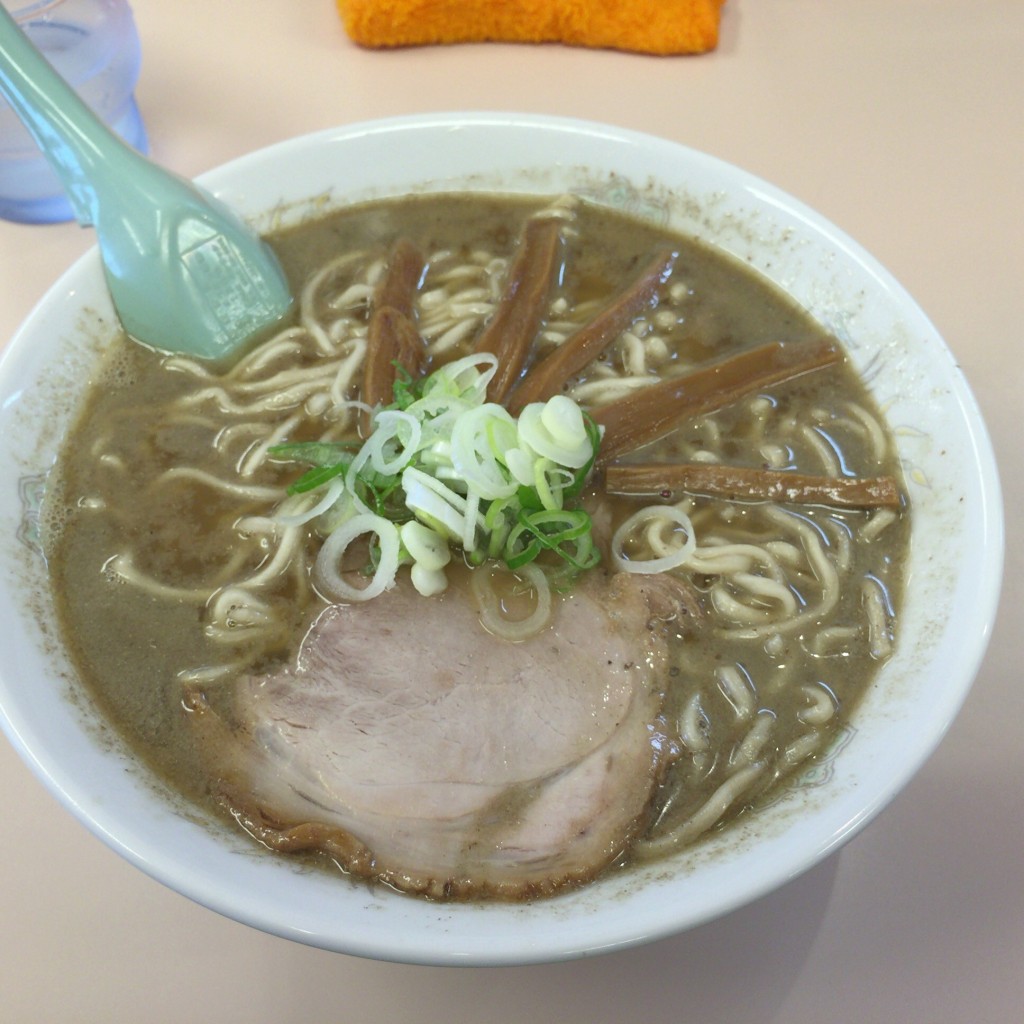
point(900, 121)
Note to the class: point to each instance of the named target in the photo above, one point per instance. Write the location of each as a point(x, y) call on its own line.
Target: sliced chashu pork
point(417, 749)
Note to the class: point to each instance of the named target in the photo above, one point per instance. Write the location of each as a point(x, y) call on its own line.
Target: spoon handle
point(72, 137)
point(185, 272)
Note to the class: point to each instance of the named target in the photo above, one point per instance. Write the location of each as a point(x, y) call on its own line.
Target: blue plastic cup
point(95, 46)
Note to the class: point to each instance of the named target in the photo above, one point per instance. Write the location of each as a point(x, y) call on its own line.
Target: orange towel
point(646, 26)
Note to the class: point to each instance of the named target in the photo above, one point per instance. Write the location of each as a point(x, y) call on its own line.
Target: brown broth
point(130, 648)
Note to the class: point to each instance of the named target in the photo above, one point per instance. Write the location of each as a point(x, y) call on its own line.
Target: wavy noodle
point(737, 689)
point(879, 522)
point(704, 818)
point(878, 614)
point(257, 455)
point(693, 725)
point(821, 705)
point(832, 641)
point(634, 355)
point(829, 464)
point(879, 440)
point(597, 392)
point(122, 566)
point(245, 492)
point(753, 744)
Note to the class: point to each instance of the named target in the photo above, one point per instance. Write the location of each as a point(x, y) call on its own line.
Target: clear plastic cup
point(95, 46)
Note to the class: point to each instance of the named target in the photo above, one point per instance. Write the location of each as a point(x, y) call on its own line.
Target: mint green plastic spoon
point(185, 273)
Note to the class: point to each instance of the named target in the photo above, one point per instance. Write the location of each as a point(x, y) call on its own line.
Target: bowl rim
point(439, 934)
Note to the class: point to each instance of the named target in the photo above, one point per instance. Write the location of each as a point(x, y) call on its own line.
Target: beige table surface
point(899, 120)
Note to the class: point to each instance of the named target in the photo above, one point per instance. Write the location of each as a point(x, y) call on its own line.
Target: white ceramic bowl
point(954, 571)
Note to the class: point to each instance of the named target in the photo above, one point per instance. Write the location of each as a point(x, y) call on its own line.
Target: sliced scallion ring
point(669, 514)
point(328, 563)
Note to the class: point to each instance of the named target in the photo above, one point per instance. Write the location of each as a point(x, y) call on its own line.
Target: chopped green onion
point(328, 459)
point(450, 469)
point(407, 389)
point(566, 532)
point(583, 473)
point(425, 546)
point(316, 453)
point(317, 477)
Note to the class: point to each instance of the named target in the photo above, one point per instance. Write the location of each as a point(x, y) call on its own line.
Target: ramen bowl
point(952, 575)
